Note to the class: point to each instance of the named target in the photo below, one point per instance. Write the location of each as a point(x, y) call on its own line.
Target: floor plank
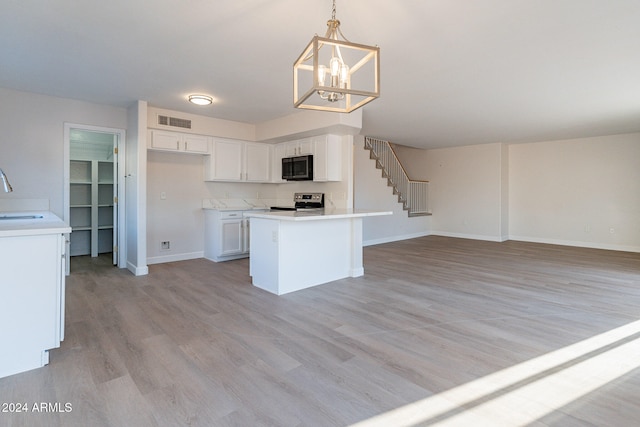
point(194, 343)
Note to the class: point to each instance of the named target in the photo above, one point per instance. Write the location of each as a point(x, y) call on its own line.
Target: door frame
point(120, 182)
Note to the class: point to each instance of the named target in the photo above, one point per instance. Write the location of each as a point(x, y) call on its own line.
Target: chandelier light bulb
point(334, 64)
point(344, 76)
point(322, 72)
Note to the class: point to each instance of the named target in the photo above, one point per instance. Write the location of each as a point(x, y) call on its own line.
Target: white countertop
point(316, 215)
point(49, 223)
point(235, 208)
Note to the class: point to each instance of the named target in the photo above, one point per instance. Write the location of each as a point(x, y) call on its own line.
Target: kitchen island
point(294, 250)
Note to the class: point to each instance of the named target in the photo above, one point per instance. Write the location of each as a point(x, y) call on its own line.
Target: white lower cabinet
point(232, 236)
point(226, 235)
point(32, 289)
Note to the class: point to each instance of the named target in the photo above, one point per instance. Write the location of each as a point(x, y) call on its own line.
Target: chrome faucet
point(5, 182)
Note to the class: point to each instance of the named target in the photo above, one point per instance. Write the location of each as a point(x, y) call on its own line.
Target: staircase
point(412, 194)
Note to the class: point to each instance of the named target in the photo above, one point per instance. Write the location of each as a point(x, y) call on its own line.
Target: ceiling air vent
point(174, 121)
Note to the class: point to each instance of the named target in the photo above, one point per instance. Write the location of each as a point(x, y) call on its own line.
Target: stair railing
point(412, 194)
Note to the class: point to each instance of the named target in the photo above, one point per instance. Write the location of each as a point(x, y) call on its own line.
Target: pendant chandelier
point(333, 74)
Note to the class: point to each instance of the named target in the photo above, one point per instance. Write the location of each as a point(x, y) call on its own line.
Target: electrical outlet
point(612, 230)
point(165, 246)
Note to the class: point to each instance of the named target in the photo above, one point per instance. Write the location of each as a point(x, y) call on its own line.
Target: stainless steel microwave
point(299, 168)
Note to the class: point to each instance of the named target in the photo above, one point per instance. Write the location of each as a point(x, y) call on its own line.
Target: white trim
point(470, 236)
point(122, 242)
point(580, 244)
point(137, 271)
point(175, 257)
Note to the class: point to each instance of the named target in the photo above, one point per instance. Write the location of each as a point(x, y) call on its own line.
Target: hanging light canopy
point(333, 74)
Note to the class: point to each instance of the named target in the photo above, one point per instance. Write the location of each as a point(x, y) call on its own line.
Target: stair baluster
point(412, 194)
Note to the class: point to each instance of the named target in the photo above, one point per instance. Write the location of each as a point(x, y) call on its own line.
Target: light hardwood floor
point(193, 343)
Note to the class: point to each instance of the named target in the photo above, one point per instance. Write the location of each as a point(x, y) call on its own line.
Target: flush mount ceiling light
point(200, 99)
point(333, 74)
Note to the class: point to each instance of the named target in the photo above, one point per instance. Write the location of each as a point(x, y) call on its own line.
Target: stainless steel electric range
point(304, 202)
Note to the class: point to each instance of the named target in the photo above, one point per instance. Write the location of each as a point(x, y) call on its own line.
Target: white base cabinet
point(31, 300)
point(227, 235)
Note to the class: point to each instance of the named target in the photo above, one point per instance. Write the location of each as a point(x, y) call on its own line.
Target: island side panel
point(313, 253)
point(356, 267)
point(264, 257)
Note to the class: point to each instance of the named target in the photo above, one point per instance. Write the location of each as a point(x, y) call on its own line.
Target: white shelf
point(91, 202)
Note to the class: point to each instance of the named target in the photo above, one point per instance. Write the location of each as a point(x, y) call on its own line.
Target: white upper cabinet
point(279, 152)
point(232, 160)
point(327, 158)
point(298, 147)
point(257, 162)
point(225, 161)
point(178, 142)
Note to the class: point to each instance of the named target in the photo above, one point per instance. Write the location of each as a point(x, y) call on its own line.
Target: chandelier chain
point(333, 11)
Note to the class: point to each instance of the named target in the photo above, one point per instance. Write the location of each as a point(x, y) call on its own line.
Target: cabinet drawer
point(230, 214)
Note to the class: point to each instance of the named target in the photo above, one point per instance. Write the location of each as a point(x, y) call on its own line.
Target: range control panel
point(309, 197)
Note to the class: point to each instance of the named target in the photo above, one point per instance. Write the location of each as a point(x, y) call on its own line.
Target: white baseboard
point(470, 236)
point(580, 244)
point(394, 238)
point(174, 257)
point(137, 271)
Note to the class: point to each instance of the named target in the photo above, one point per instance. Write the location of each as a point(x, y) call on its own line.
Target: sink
point(5, 217)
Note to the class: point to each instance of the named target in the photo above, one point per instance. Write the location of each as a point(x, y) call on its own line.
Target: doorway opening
point(94, 184)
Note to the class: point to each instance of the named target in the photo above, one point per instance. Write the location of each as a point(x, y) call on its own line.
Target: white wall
point(372, 193)
point(414, 162)
point(466, 190)
point(179, 218)
point(32, 142)
point(575, 192)
point(580, 192)
point(203, 125)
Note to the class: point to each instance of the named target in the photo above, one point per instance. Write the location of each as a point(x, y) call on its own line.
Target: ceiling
point(453, 72)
